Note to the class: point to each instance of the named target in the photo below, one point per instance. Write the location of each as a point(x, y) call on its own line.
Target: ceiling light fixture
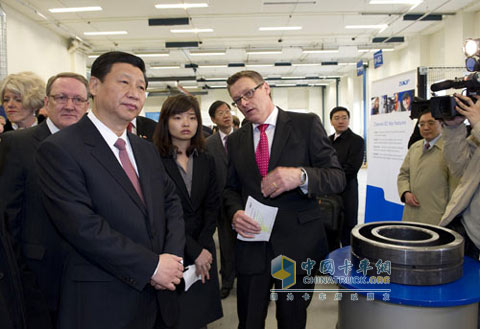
point(212, 66)
point(106, 33)
point(74, 9)
point(306, 64)
point(153, 55)
point(181, 5)
point(376, 26)
point(259, 65)
point(208, 53)
point(280, 28)
point(191, 30)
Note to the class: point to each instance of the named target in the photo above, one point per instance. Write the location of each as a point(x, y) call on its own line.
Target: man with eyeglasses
point(281, 159)
point(425, 183)
point(66, 103)
point(221, 115)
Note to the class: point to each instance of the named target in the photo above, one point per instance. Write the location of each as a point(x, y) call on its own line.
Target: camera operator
point(463, 158)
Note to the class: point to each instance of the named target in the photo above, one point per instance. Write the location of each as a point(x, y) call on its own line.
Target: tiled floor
point(322, 314)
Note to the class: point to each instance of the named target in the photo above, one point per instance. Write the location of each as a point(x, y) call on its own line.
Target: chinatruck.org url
point(327, 279)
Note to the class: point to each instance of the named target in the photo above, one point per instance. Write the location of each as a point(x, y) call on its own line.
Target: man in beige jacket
point(425, 183)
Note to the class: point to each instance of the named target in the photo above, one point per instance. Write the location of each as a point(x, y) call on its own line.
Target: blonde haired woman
point(22, 94)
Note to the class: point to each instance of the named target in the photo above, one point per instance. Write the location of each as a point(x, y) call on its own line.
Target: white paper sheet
point(190, 276)
point(265, 217)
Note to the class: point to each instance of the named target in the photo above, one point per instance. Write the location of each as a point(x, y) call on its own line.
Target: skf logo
point(404, 82)
point(283, 268)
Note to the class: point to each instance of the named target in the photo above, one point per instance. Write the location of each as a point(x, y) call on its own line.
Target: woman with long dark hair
point(179, 138)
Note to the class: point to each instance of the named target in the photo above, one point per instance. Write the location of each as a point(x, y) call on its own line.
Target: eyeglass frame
point(76, 100)
point(238, 101)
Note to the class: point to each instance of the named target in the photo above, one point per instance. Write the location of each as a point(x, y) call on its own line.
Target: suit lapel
point(104, 155)
point(282, 134)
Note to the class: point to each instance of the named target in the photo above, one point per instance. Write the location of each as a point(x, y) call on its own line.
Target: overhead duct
point(168, 21)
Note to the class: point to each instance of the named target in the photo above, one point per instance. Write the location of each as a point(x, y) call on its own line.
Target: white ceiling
point(236, 30)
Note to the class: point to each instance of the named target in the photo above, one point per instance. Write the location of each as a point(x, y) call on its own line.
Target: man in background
point(66, 101)
point(221, 115)
point(349, 147)
point(425, 183)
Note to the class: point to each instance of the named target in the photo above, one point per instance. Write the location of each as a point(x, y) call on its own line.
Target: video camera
point(443, 107)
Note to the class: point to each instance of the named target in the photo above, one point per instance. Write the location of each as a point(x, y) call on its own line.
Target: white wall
point(31, 47)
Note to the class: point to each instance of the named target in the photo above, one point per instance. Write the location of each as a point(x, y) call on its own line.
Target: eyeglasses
point(63, 99)
point(223, 113)
point(430, 123)
point(246, 95)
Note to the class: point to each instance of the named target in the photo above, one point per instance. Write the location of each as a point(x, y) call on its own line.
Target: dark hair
point(72, 75)
point(103, 64)
point(255, 76)
point(338, 109)
point(175, 105)
point(406, 95)
point(425, 112)
point(213, 108)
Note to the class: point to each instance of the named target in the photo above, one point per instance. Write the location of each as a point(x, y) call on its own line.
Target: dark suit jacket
point(300, 141)
point(201, 304)
point(26, 215)
point(215, 148)
point(349, 147)
point(113, 238)
point(145, 128)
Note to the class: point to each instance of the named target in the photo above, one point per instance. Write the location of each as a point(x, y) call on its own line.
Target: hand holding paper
point(256, 222)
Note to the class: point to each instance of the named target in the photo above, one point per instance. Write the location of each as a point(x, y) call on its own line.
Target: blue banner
point(359, 68)
point(378, 59)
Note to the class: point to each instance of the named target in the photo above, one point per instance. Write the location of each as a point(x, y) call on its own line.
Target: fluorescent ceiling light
point(210, 53)
point(292, 78)
point(181, 5)
point(212, 66)
point(191, 30)
point(376, 26)
point(153, 55)
point(164, 67)
point(307, 64)
point(286, 85)
point(93, 56)
point(263, 52)
point(218, 87)
point(74, 9)
point(344, 64)
point(280, 28)
point(41, 15)
point(375, 50)
point(106, 33)
point(190, 87)
point(320, 51)
point(216, 79)
point(395, 2)
point(258, 65)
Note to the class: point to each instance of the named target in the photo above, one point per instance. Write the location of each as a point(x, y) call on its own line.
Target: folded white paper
point(265, 217)
point(190, 276)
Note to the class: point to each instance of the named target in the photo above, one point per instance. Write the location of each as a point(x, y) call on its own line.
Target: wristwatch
point(303, 177)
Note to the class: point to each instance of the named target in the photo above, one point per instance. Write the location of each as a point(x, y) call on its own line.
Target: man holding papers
point(282, 160)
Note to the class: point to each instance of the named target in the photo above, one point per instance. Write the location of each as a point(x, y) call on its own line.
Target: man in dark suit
point(221, 115)
point(66, 101)
point(108, 195)
point(283, 160)
point(349, 147)
point(142, 127)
